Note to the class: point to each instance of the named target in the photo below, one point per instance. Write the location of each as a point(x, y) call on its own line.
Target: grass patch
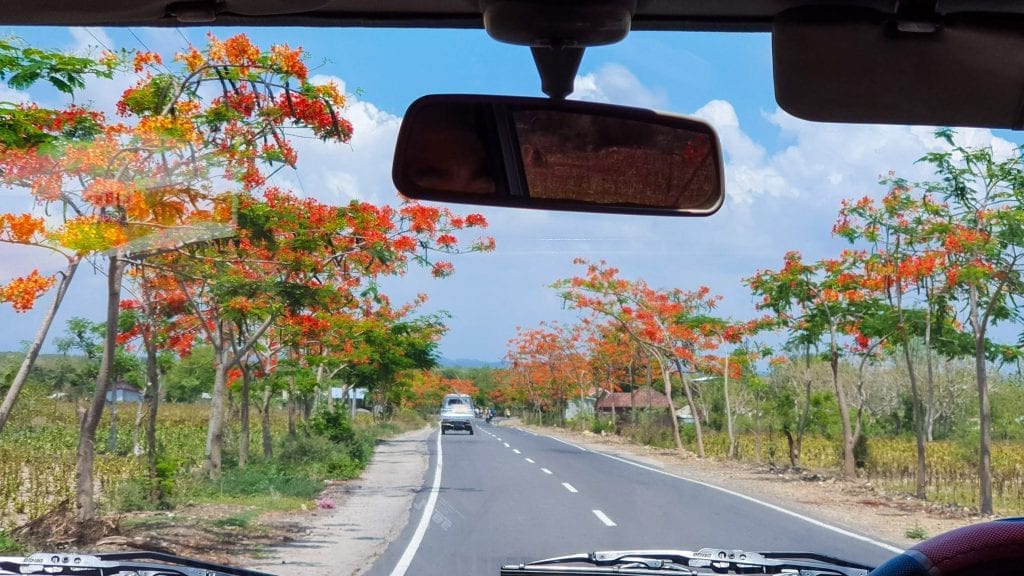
point(916, 532)
point(8, 545)
point(238, 520)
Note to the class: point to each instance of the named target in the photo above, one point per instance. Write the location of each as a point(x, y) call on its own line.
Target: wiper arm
point(703, 561)
point(110, 564)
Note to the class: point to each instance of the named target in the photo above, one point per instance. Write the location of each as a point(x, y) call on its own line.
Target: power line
point(96, 38)
point(188, 42)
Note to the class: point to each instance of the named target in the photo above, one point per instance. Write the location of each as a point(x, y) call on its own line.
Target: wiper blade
point(110, 564)
point(703, 561)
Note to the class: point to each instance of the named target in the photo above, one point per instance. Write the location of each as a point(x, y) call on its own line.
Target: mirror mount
point(557, 67)
point(557, 32)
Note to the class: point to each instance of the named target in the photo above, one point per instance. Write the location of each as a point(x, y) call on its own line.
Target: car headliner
point(937, 62)
point(713, 15)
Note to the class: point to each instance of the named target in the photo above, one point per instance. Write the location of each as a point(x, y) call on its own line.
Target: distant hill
point(468, 363)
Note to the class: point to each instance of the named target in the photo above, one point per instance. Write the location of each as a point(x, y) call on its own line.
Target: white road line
point(499, 439)
point(545, 470)
point(569, 487)
point(506, 444)
point(567, 443)
point(530, 460)
point(421, 528)
point(527, 431)
point(603, 518)
point(808, 519)
point(516, 451)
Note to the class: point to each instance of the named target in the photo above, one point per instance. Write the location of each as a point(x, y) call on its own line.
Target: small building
point(642, 398)
point(123, 392)
point(576, 407)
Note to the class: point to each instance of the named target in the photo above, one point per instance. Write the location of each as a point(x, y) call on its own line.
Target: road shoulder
point(368, 514)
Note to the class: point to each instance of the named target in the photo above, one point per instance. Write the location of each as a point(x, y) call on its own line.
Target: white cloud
point(822, 163)
point(90, 40)
point(615, 84)
point(359, 170)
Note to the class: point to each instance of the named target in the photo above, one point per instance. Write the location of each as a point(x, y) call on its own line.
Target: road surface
point(506, 495)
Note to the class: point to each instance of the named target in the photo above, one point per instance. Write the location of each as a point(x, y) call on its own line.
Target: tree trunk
point(153, 375)
point(37, 344)
point(915, 396)
point(728, 409)
point(112, 435)
point(693, 408)
point(215, 433)
point(268, 440)
point(985, 415)
point(243, 437)
point(793, 443)
point(667, 378)
point(85, 501)
point(929, 415)
point(849, 462)
point(137, 429)
point(292, 416)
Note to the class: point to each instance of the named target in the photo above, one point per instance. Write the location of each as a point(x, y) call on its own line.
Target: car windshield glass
point(217, 309)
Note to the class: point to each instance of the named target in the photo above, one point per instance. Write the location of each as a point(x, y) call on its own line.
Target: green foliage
point(239, 520)
point(333, 424)
point(916, 532)
point(8, 545)
point(189, 378)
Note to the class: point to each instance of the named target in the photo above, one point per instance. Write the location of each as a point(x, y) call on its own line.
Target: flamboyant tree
point(815, 302)
point(982, 240)
point(552, 362)
point(657, 320)
point(28, 129)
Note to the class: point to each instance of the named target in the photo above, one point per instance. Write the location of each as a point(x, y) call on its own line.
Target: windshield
point(204, 224)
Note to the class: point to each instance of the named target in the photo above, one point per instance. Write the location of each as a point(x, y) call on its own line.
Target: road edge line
point(421, 529)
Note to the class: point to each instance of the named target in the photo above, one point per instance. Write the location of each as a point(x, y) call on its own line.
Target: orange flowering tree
point(427, 389)
point(294, 256)
point(815, 302)
point(967, 249)
point(25, 129)
point(657, 320)
point(552, 363)
point(194, 139)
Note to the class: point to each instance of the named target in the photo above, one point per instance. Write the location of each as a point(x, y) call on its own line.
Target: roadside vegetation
point(241, 319)
point(896, 359)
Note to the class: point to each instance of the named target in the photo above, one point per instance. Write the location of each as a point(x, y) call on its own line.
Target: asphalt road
point(507, 496)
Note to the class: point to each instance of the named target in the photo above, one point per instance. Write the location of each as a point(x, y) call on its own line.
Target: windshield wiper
point(110, 564)
point(703, 561)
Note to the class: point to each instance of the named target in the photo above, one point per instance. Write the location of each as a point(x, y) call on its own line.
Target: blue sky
point(785, 177)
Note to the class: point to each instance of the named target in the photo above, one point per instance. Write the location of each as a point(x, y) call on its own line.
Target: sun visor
point(856, 65)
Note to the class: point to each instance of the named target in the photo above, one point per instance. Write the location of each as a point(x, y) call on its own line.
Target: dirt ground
point(236, 535)
point(855, 505)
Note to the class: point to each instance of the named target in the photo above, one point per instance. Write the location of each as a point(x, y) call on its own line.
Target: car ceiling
point(934, 62)
point(717, 15)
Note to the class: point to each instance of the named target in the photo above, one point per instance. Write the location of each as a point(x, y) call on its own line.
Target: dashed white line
point(516, 451)
point(506, 445)
point(545, 470)
point(530, 460)
point(603, 518)
point(569, 487)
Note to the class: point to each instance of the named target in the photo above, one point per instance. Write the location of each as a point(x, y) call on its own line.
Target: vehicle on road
point(907, 62)
point(457, 417)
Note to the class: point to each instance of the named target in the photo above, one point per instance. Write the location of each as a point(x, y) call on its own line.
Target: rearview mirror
point(557, 155)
